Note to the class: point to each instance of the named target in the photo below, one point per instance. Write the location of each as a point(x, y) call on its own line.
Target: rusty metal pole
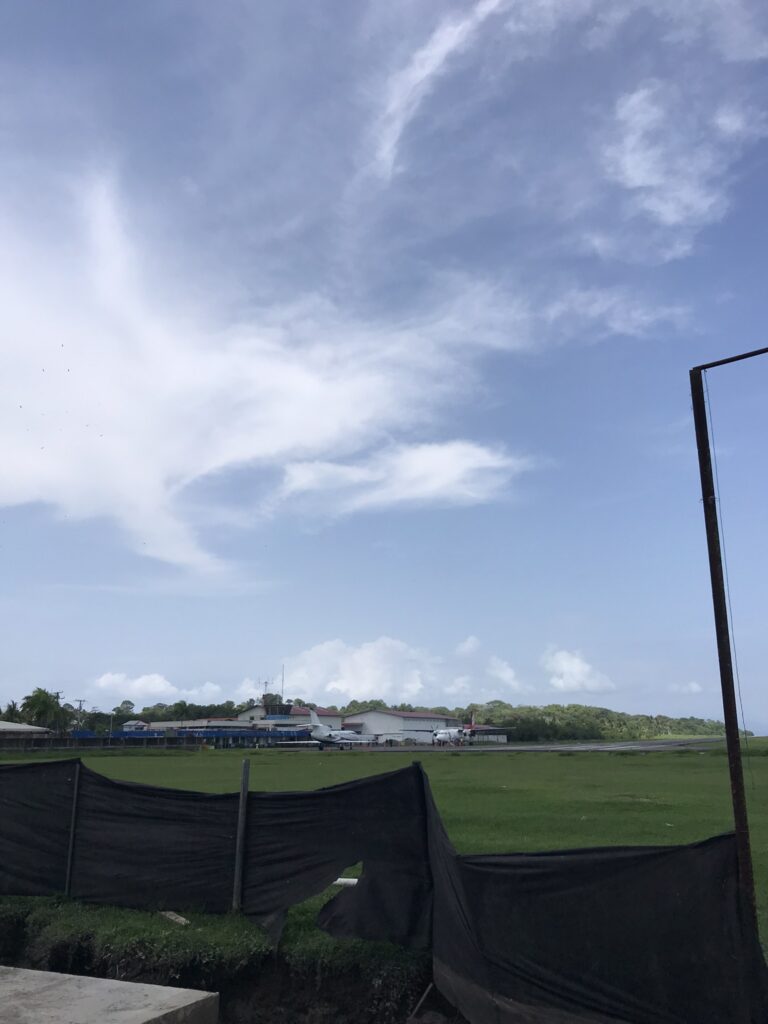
point(723, 635)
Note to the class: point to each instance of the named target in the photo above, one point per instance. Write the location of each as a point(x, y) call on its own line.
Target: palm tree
point(43, 708)
point(11, 713)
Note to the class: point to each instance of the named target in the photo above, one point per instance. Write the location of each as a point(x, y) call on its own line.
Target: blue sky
point(355, 337)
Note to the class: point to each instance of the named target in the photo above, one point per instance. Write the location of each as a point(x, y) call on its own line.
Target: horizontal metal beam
point(732, 359)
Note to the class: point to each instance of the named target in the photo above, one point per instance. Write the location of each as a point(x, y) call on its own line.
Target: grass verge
point(311, 978)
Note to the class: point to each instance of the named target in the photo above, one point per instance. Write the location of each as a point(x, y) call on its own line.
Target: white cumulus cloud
point(500, 669)
point(335, 672)
point(571, 673)
point(459, 685)
point(152, 687)
point(690, 689)
point(468, 646)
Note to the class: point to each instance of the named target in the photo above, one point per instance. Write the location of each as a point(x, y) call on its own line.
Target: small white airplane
point(335, 737)
point(448, 736)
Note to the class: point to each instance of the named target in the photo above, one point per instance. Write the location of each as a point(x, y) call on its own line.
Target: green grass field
point(495, 802)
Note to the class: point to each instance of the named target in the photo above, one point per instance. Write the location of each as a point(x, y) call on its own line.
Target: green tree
point(358, 706)
point(97, 721)
point(154, 713)
point(124, 709)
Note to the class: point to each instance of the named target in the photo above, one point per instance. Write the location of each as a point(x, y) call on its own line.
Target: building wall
point(252, 714)
point(484, 737)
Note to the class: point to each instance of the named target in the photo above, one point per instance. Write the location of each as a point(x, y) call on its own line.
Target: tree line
point(525, 724)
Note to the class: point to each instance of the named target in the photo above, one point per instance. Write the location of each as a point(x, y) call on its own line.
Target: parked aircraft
point(335, 737)
point(448, 736)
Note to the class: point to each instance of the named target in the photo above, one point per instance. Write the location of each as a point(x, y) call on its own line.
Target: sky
point(354, 338)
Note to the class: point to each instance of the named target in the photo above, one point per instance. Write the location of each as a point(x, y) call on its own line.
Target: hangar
point(416, 726)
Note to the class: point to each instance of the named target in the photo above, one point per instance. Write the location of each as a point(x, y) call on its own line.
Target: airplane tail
point(313, 717)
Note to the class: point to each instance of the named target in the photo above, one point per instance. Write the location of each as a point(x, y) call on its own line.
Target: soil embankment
point(307, 982)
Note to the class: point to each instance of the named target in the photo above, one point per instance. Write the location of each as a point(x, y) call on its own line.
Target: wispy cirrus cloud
point(123, 401)
point(737, 30)
point(136, 397)
point(448, 473)
point(407, 87)
point(673, 158)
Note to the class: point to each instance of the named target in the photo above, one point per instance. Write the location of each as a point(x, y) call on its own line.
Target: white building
point(254, 714)
point(416, 726)
point(17, 730)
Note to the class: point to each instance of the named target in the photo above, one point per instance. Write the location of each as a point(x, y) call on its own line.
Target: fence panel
point(145, 846)
point(35, 816)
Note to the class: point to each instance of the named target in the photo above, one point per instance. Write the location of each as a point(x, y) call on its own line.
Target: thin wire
point(727, 581)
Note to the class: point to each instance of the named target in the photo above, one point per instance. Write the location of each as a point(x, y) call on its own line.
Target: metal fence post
point(242, 809)
point(723, 638)
point(72, 830)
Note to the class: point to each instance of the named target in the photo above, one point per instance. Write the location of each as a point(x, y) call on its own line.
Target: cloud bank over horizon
point(335, 672)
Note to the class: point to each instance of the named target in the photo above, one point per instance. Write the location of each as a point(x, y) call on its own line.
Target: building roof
point(407, 714)
point(295, 709)
point(21, 727)
point(201, 723)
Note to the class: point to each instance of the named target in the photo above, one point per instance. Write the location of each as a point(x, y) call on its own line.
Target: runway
point(623, 746)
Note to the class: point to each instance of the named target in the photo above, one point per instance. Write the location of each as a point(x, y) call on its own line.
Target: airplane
point(335, 737)
point(448, 736)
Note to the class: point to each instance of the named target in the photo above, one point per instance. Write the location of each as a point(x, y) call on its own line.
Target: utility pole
point(58, 695)
point(722, 627)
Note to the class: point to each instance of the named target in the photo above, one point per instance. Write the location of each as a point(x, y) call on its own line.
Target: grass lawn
point(496, 802)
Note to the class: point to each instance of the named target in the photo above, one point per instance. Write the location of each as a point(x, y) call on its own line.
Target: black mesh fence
point(641, 935)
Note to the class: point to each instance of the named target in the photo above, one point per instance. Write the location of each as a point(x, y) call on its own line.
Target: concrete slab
point(42, 997)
